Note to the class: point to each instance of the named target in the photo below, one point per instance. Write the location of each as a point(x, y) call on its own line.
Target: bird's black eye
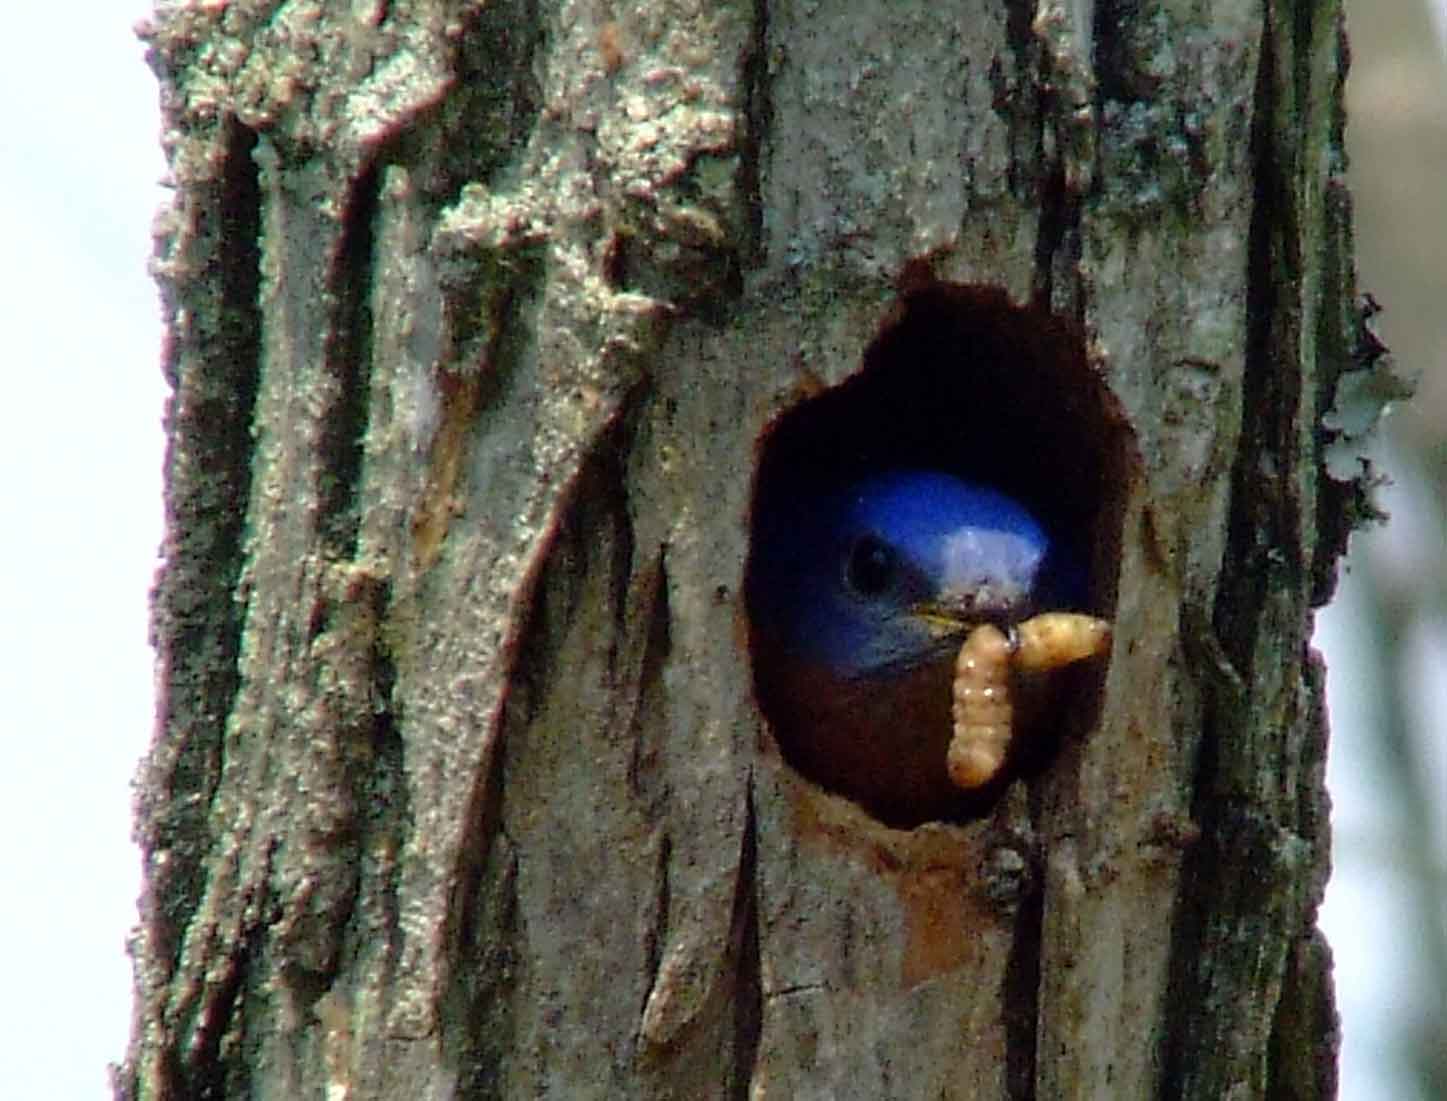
point(871, 566)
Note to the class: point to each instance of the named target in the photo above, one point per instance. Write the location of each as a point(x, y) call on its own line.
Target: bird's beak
point(942, 622)
point(952, 614)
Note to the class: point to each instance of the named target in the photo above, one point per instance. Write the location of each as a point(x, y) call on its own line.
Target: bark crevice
point(1021, 995)
point(347, 356)
point(748, 989)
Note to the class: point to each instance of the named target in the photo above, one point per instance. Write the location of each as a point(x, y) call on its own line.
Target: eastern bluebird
point(859, 598)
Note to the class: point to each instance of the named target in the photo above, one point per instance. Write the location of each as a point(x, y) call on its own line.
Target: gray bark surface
point(478, 315)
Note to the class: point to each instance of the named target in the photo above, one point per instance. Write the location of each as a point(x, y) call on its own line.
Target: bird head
point(890, 572)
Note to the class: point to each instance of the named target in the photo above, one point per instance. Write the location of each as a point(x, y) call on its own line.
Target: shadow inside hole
point(958, 380)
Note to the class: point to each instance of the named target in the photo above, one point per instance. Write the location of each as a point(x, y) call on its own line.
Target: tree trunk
point(484, 317)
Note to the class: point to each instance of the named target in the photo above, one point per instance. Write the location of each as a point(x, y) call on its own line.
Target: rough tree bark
point(479, 313)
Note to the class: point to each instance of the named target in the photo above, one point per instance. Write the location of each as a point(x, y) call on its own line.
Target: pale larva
point(982, 707)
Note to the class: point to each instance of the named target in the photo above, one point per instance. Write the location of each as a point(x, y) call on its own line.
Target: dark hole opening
point(961, 381)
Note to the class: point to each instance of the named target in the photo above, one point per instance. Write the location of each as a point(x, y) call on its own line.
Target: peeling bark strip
point(478, 314)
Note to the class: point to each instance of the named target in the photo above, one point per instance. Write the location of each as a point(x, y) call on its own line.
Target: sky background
point(80, 445)
point(82, 451)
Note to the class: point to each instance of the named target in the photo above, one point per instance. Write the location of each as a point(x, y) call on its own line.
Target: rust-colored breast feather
point(881, 743)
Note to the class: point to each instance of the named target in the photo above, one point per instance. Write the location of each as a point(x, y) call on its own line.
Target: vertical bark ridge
point(197, 623)
point(213, 363)
point(1252, 886)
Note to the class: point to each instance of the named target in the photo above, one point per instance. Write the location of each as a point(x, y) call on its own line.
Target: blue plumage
point(865, 580)
point(859, 598)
